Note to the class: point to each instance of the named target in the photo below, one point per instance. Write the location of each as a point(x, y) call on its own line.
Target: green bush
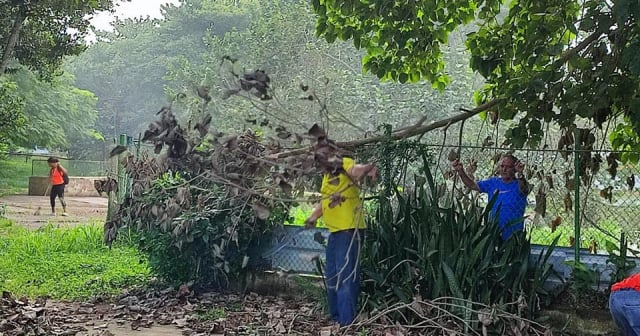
point(417, 249)
point(213, 243)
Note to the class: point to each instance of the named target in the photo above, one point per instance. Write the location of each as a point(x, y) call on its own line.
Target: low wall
point(301, 248)
point(78, 186)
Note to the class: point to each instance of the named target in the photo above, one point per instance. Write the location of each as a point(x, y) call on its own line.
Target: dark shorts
point(57, 191)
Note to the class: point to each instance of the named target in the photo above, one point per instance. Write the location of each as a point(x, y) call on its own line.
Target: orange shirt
point(55, 176)
point(632, 282)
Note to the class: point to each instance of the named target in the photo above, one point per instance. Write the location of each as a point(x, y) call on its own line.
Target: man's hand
point(466, 180)
point(519, 167)
point(310, 223)
point(457, 166)
point(373, 173)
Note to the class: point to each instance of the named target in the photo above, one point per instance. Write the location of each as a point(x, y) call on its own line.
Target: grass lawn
point(66, 263)
point(542, 235)
point(14, 175)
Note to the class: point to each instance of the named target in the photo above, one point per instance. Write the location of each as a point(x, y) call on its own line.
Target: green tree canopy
point(39, 34)
point(54, 112)
point(563, 61)
point(126, 68)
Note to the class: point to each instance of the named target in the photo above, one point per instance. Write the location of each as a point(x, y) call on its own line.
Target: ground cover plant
point(67, 263)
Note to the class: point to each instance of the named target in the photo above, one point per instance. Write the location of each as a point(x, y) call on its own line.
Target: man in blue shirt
point(511, 190)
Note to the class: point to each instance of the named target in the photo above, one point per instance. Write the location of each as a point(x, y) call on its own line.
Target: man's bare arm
point(466, 180)
point(310, 223)
point(358, 171)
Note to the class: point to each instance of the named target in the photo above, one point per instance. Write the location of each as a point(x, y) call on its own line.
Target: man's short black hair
point(53, 159)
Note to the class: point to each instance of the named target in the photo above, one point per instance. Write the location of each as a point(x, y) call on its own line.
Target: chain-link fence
point(584, 208)
point(588, 198)
point(590, 208)
point(78, 168)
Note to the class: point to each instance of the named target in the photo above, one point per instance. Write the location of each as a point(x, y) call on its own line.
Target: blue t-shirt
point(510, 201)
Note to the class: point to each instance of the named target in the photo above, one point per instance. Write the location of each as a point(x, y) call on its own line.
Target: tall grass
point(66, 263)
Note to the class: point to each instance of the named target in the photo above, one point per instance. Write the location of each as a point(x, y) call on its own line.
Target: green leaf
point(403, 78)
point(621, 11)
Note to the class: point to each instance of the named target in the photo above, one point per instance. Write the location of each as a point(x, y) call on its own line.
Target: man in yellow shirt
point(342, 210)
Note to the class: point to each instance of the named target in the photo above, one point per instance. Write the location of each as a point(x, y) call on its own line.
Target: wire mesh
point(608, 203)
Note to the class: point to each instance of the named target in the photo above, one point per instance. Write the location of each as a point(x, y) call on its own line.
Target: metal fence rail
point(79, 168)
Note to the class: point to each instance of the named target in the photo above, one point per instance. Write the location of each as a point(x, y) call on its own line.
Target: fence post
point(138, 144)
point(122, 188)
point(386, 163)
point(576, 185)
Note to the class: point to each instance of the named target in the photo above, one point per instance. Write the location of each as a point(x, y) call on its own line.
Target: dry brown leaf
point(488, 142)
point(336, 200)
point(541, 203)
point(607, 193)
point(119, 149)
point(317, 131)
point(549, 179)
point(261, 210)
point(452, 156)
point(555, 223)
point(285, 186)
point(593, 246)
point(568, 203)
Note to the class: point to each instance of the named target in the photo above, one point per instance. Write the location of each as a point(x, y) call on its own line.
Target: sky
point(135, 8)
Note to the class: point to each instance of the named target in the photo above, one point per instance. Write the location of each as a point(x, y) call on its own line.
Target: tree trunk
point(13, 39)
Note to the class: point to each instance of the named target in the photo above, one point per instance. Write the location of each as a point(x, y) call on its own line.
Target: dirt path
point(34, 211)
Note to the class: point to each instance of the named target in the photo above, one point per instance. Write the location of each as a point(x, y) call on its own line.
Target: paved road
point(34, 211)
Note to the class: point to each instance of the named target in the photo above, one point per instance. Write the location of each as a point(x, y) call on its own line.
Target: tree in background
point(11, 117)
point(39, 34)
point(126, 68)
point(35, 36)
point(571, 62)
point(54, 112)
point(144, 63)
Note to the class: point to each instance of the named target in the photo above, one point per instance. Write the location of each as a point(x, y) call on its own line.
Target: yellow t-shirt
point(348, 213)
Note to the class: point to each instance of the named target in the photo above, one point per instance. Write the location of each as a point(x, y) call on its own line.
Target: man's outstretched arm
point(457, 166)
point(358, 171)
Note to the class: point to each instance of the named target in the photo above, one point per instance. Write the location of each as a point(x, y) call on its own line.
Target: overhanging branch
point(418, 128)
point(402, 133)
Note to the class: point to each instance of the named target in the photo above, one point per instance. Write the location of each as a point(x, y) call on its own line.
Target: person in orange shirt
point(341, 208)
point(624, 304)
point(57, 179)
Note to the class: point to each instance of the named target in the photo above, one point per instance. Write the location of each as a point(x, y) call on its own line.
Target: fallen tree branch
point(402, 133)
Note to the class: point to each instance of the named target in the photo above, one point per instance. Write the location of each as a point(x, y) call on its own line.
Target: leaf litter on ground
point(243, 314)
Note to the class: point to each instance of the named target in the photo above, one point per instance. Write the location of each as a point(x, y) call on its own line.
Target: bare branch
point(402, 133)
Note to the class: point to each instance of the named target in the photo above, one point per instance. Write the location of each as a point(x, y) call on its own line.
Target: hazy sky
point(135, 8)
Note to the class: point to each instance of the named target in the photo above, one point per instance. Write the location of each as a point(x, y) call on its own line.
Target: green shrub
point(417, 249)
point(213, 243)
